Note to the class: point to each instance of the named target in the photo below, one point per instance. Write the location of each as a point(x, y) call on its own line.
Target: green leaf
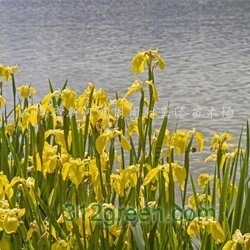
point(241, 189)
point(159, 141)
point(138, 236)
point(51, 217)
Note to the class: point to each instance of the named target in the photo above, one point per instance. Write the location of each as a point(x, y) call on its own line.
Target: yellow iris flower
point(220, 141)
point(210, 226)
point(100, 98)
point(7, 71)
point(74, 170)
point(124, 106)
point(203, 179)
point(26, 91)
point(179, 173)
point(143, 58)
point(9, 128)
point(5, 187)
point(202, 198)
point(2, 101)
point(28, 117)
point(103, 139)
point(59, 137)
point(238, 239)
point(137, 85)
point(60, 245)
point(68, 98)
point(181, 138)
point(9, 219)
point(133, 128)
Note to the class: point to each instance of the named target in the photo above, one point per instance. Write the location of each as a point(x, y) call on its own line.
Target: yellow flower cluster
point(68, 153)
point(9, 217)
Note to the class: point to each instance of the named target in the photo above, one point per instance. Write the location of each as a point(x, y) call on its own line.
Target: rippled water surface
point(205, 43)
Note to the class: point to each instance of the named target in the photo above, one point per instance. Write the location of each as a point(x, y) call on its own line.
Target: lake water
point(205, 43)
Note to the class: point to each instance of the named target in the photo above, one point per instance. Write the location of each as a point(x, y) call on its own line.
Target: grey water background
point(205, 44)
